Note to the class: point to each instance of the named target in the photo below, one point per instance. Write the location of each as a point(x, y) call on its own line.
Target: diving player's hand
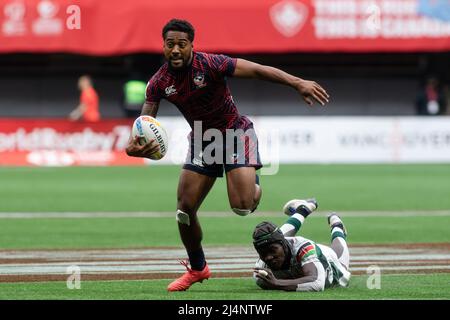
point(311, 91)
point(135, 149)
point(267, 277)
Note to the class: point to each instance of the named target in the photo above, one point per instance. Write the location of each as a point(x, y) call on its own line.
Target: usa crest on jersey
point(199, 80)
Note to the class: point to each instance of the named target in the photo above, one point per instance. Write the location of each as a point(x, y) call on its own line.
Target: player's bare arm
point(271, 282)
point(150, 109)
point(134, 149)
point(77, 113)
point(309, 90)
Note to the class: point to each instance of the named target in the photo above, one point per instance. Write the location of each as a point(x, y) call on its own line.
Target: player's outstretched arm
point(134, 149)
point(309, 90)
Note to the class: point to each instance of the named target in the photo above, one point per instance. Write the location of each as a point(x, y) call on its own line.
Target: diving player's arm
point(309, 90)
point(134, 149)
point(313, 279)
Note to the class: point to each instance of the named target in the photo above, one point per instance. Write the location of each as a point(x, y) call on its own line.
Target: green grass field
point(394, 188)
point(338, 187)
point(392, 287)
point(141, 232)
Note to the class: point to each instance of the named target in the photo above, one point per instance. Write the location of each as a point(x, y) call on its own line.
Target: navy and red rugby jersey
point(200, 91)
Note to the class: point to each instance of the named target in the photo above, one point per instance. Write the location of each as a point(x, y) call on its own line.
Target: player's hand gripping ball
point(147, 128)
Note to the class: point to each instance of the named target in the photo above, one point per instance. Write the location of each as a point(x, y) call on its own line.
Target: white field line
point(402, 257)
point(86, 269)
point(214, 253)
point(404, 268)
point(231, 261)
point(82, 215)
point(51, 269)
point(167, 266)
point(221, 260)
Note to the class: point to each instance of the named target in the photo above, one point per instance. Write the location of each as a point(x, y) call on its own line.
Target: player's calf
point(337, 226)
point(338, 239)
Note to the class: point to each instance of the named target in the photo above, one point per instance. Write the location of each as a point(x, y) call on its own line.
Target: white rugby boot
point(304, 207)
point(335, 221)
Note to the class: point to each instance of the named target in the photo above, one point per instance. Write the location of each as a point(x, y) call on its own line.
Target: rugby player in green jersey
point(294, 263)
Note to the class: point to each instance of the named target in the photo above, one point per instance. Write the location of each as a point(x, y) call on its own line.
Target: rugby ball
point(263, 273)
point(148, 128)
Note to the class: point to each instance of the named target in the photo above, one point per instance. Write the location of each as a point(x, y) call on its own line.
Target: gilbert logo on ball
point(148, 128)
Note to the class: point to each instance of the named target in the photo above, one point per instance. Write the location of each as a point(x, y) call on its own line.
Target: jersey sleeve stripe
point(306, 251)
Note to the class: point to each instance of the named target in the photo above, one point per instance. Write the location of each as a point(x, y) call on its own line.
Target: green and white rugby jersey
point(307, 251)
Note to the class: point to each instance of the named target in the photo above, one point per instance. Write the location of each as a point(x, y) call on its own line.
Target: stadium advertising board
point(355, 139)
point(234, 26)
point(281, 140)
point(47, 142)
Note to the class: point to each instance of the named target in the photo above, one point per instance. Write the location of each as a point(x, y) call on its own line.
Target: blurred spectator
point(447, 94)
point(133, 96)
point(87, 109)
point(432, 99)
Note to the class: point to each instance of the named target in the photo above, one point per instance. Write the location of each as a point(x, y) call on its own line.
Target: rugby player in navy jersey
point(195, 82)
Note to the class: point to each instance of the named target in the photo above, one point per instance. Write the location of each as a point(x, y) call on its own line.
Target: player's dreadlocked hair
point(179, 25)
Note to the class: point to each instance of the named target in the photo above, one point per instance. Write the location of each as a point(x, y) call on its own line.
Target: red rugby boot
point(189, 278)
